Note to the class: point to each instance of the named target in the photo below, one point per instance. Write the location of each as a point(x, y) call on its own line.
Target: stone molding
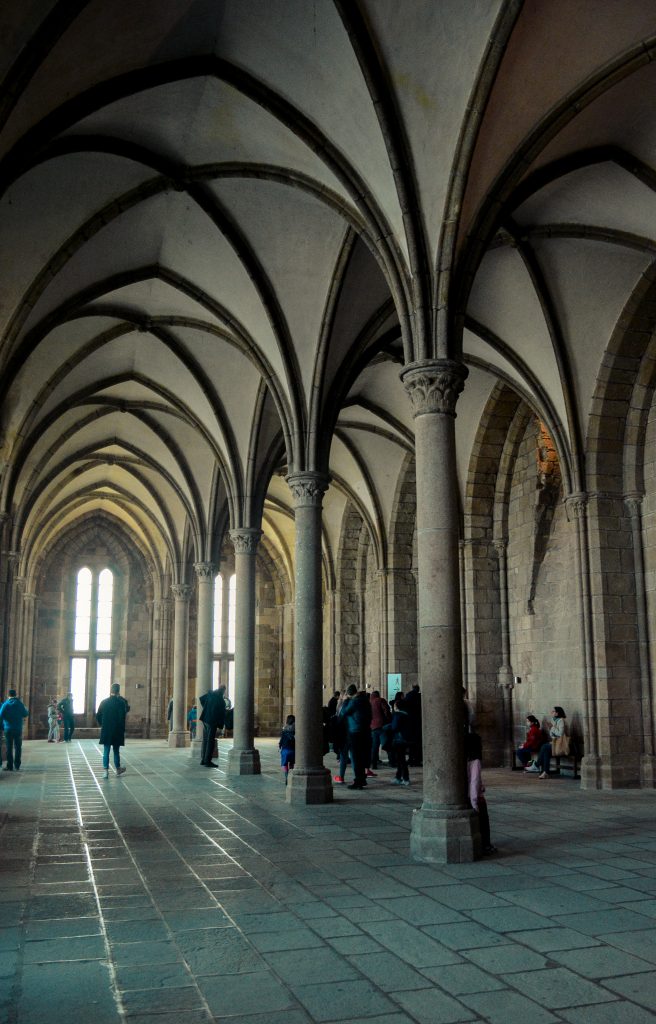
point(633, 504)
point(434, 386)
point(181, 591)
point(308, 488)
point(576, 506)
point(205, 570)
point(245, 540)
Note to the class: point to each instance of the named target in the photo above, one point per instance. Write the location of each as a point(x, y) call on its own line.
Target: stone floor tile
point(283, 1017)
point(348, 945)
point(601, 962)
point(641, 988)
point(343, 1000)
point(421, 910)
point(152, 976)
point(84, 985)
point(464, 897)
point(245, 993)
point(557, 938)
point(505, 959)
point(332, 927)
point(324, 964)
point(642, 943)
point(461, 978)
point(88, 947)
point(176, 1017)
point(602, 922)
point(385, 971)
point(415, 947)
point(466, 936)
point(218, 951)
point(509, 919)
point(160, 1000)
point(9, 962)
point(145, 953)
point(506, 1007)
point(431, 1006)
point(295, 938)
point(137, 931)
point(557, 987)
point(608, 1013)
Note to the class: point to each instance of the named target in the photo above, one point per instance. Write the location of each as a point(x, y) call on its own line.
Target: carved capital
point(21, 584)
point(633, 504)
point(576, 506)
point(434, 386)
point(245, 540)
point(205, 570)
point(308, 489)
point(181, 591)
point(501, 547)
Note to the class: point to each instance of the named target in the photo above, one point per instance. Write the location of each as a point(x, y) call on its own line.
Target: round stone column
point(178, 736)
point(633, 503)
point(205, 573)
point(309, 782)
point(243, 758)
point(444, 829)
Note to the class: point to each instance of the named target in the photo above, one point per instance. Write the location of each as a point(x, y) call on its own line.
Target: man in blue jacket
point(12, 713)
point(356, 712)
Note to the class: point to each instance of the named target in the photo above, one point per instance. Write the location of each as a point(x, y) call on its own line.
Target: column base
point(179, 739)
point(309, 786)
point(591, 772)
point(195, 748)
point(648, 771)
point(243, 762)
point(445, 836)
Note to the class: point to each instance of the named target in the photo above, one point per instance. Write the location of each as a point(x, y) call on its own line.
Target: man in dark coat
point(12, 713)
point(356, 713)
point(213, 717)
point(68, 715)
point(111, 719)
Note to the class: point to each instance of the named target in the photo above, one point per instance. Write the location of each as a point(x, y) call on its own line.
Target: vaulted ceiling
point(225, 225)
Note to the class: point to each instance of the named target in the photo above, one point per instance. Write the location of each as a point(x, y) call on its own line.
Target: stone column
point(24, 686)
point(577, 509)
point(243, 758)
point(178, 736)
point(205, 573)
point(309, 782)
point(444, 829)
point(633, 504)
point(505, 674)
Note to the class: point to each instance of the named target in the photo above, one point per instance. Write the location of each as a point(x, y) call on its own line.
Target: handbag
point(560, 746)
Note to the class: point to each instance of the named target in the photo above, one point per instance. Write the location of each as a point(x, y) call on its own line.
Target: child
point(476, 789)
point(287, 745)
point(53, 721)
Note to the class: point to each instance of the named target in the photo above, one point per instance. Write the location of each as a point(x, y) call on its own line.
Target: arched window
point(223, 672)
point(92, 660)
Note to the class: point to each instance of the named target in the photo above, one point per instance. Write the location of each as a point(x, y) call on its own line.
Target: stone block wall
point(546, 645)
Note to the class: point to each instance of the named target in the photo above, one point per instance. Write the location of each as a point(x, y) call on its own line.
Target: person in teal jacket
point(12, 713)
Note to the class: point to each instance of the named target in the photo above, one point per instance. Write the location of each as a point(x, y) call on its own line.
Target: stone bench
point(571, 763)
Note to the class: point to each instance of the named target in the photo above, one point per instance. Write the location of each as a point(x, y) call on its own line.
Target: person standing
point(287, 746)
point(401, 729)
point(111, 719)
point(213, 717)
point(356, 712)
point(12, 713)
point(53, 721)
point(68, 715)
point(380, 716)
point(192, 721)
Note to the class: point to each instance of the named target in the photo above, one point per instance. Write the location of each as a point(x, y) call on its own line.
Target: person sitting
point(530, 748)
point(558, 730)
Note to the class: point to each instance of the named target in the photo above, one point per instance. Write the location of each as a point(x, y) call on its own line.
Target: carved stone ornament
point(245, 540)
point(576, 506)
point(434, 386)
point(181, 591)
point(633, 503)
point(205, 570)
point(308, 488)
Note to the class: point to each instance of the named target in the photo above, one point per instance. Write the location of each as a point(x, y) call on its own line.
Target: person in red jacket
point(531, 746)
point(380, 716)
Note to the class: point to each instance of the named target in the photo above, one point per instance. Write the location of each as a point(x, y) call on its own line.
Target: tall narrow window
point(223, 668)
point(92, 663)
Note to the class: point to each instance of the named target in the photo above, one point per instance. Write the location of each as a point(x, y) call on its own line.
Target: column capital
point(245, 540)
point(205, 570)
point(633, 503)
point(308, 488)
point(181, 591)
point(576, 505)
point(435, 385)
point(501, 546)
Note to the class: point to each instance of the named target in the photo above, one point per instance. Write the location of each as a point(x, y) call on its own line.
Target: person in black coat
point(67, 713)
point(111, 719)
point(213, 717)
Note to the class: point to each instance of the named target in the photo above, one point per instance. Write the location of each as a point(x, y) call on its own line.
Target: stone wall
point(545, 640)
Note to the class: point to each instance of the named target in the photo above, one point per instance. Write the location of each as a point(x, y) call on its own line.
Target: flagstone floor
point(172, 896)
